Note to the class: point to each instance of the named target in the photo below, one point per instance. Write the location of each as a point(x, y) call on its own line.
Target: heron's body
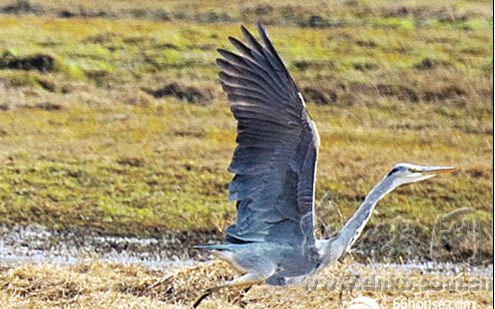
point(273, 239)
point(269, 259)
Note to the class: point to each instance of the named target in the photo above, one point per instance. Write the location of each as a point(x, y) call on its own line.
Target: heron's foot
point(239, 299)
point(245, 280)
point(207, 292)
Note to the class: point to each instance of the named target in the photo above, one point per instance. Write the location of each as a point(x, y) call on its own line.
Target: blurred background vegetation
point(112, 118)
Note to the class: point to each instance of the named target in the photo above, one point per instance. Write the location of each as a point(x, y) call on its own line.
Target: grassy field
point(113, 119)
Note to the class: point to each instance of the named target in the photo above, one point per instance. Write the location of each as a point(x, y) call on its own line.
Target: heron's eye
point(413, 170)
point(393, 171)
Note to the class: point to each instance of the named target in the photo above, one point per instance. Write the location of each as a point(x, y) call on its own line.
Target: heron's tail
point(220, 247)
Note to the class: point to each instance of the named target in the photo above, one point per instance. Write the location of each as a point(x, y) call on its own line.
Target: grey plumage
point(275, 159)
point(273, 239)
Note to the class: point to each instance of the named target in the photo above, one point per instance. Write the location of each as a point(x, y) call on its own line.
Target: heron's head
point(403, 173)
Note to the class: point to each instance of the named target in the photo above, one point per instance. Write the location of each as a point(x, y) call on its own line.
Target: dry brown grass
point(97, 285)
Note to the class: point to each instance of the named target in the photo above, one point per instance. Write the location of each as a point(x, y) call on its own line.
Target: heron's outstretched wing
point(275, 159)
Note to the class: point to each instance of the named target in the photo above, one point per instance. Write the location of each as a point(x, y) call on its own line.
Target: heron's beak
point(433, 170)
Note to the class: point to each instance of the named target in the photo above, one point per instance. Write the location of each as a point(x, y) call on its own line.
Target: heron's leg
point(243, 293)
point(247, 279)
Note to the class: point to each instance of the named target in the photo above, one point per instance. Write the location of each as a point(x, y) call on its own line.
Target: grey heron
point(273, 239)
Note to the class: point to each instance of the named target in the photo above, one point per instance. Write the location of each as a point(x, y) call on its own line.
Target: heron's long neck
point(355, 225)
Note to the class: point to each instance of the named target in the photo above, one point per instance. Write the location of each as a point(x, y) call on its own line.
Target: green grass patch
point(392, 84)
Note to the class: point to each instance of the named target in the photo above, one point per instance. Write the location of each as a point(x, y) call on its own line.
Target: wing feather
point(277, 144)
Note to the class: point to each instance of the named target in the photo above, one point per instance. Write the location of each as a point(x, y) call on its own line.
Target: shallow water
point(36, 244)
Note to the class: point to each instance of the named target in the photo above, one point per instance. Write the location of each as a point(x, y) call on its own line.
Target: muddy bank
point(36, 243)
